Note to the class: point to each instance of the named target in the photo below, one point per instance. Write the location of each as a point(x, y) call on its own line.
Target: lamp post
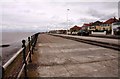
point(68, 19)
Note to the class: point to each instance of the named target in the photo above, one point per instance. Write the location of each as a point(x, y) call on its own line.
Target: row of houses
point(110, 26)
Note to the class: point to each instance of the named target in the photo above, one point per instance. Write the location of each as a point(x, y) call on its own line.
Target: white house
point(115, 26)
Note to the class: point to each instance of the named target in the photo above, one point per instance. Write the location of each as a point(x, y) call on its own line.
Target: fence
point(102, 33)
point(16, 67)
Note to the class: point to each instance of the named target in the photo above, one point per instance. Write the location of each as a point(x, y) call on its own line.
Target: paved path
point(59, 57)
point(106, 40)
point(105, 36)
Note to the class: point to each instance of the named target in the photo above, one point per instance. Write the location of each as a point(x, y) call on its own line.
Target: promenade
point(105, 40)
point(58, 57)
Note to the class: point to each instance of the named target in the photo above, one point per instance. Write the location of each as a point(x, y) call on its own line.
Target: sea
point(14, 42)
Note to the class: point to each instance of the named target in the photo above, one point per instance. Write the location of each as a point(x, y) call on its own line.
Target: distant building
point(52, 31)
point(95, 26)
point(75, 29)
point(61, 31)
point(86, 26)
point(116, 28)
point(107, 25)
point(102, 26)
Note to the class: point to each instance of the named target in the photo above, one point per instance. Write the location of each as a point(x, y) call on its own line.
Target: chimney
point(114, 19)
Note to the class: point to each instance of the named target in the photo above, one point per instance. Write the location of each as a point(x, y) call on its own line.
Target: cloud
point(37, 15)
point(95, 13)
point(87, 20)
point(101, 15)
point(106, 17)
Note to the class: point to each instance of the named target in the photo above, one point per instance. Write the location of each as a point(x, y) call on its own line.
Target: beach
point(12, 42)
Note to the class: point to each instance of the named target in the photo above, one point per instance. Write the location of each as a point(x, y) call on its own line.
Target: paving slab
point(59, 57)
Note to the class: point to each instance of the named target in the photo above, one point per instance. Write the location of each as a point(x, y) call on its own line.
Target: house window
point(103, 24)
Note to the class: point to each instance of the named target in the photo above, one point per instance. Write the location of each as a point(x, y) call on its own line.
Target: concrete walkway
point(59, 57)
point(106, 40)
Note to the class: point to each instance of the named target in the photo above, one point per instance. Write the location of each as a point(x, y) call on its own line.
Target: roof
point(86, 25)
point(75, 28)
point(97, 23)
point(110, 21)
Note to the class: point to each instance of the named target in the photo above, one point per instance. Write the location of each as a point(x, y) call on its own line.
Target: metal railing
point(14, 67)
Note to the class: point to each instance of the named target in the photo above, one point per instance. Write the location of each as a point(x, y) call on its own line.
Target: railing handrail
point(12, 59)
point(31, 43)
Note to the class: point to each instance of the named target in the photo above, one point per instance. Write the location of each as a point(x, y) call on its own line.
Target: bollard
point(29, 50)
point(24, 58)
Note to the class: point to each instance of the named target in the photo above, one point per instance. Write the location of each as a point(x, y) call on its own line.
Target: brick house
point(107, 25)
point(86, 26)
point(75, 29)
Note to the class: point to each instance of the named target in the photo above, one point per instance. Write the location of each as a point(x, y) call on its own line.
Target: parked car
point(83, 33)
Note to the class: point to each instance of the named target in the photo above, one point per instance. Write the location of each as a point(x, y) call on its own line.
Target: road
point(59, 57)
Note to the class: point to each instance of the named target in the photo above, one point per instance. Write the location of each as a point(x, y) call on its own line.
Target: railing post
point(24, 58)
point(32, 43)
point(36, 35)
point(3, 73)
point(31, 40)
point(29, 50)
point(34, 40)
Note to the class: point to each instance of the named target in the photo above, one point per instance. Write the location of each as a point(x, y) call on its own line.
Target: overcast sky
point(44, 15)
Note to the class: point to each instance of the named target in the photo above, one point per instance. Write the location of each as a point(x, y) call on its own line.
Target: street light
point(68, 19)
